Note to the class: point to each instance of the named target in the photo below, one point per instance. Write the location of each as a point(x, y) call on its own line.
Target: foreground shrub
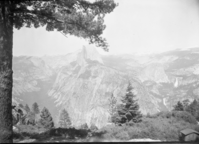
point(18, 136)
point(110, 131)
point(183, 115)
point(164, 127)
point(179, 115)
point(123, 135)
point(31, 132)
point(163, 114)
point(30, 129)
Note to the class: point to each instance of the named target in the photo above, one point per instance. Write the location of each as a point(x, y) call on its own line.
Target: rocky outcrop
point(90, 53)
point(154, 72)
point(85, 93)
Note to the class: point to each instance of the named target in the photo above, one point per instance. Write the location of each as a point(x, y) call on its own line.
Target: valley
point(82, 82)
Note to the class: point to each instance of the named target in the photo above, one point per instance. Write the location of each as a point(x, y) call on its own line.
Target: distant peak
point(90, 52)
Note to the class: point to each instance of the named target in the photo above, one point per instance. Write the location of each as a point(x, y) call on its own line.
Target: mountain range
point(82, 82)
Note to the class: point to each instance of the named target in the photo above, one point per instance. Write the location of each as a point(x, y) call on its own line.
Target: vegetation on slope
point(127, 124)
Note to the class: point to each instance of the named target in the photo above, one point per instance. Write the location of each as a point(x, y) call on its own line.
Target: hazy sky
point(134, 26)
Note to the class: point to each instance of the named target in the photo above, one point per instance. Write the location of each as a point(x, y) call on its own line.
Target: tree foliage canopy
point(80, 18)
point(64, 119)
point(46, 119)
point(27, 108)
point(190, 107)
point(129, 112)
point(35, 108)
point(112, 109)
point(193, 109)
point(179, 106)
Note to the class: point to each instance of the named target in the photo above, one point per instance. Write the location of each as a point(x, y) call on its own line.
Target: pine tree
point(35, 108)
point(185, 103)
point(27, 109)
point(46, 119)
point(128, 111)
point(178, 107)
point(30, 118)
point(112, 109)
point(21, 105)
point(64, 119)
point(193, 108)
point(84, 126)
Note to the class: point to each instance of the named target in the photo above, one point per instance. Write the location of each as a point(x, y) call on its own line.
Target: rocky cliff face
point(82, 82)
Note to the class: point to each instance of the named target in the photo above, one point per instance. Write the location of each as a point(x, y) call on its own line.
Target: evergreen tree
point(21, 105)
point(80, 18)
point(64, 119)
point(112, 109)
point(27, 109)
point(185, 103)
point(93, 127)
point(178, 107)
point(193, 109)
point(30, 118)
point(197, 114)
point(84, 126)
point(128, 111)
point(35, 108)
point(46, 119)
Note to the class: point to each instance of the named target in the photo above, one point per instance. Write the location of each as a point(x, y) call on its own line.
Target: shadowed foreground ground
point(67, 135)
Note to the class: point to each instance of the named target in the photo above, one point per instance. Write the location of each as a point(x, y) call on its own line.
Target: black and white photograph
point(99, 71)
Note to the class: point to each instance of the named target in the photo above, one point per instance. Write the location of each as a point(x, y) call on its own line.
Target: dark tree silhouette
point(74, 17)
point(178, 107)
point(193, 109)
point(17, 115)
point(185, 103)
point(30, 118)
point(35, 108)
point(46, 119)
point(128, 111)
point(27, 108)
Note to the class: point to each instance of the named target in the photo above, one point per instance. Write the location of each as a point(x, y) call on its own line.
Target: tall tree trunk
point(6, 43)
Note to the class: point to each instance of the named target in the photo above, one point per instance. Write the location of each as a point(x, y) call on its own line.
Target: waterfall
point(176, 83)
